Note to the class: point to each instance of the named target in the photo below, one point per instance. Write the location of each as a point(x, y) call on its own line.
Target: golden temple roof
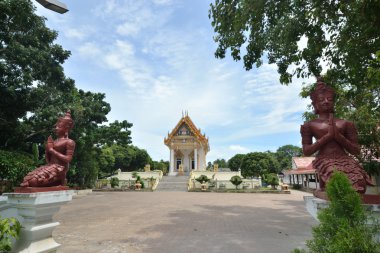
point(194, 130)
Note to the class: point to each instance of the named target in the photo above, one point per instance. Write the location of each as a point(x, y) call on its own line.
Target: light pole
point(54, 5)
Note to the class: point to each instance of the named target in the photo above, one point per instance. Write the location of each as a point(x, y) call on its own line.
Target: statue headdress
point(67, 120)
point(320, 88)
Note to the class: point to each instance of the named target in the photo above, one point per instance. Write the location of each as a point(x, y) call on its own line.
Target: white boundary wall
point(221, 180)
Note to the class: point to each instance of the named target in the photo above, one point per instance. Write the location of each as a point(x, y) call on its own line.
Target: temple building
point(188, 147)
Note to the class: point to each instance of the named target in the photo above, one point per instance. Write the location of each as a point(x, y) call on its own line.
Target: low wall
point(215, 175)
point(144, 175)
point(221, 180)
point(127, 181)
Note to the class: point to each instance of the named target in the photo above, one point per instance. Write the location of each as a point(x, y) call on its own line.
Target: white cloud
point(239, 149)
point(73, 33)
point(89, 50)
point(163, 2)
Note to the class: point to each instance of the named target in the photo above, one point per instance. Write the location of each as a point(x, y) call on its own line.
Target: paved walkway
point(183, 222)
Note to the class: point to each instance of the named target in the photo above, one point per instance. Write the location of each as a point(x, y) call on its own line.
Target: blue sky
point(155, 58)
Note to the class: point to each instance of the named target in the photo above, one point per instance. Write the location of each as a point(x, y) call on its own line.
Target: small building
point(188, 147)
point(302, 173)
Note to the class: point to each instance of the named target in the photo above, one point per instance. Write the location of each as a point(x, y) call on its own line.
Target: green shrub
point(272, 179)
point(343, 224)
point(9, 228)
point(114, 182)
point(14, 166)
point(236, 180)
point(202, 178)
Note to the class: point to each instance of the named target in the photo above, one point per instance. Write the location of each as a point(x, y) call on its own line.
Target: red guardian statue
point(335, 140)
point(59, 153)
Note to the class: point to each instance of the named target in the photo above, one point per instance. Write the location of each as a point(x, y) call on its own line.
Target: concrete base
point(41, 189)
point(35, 212)
point(314, 205)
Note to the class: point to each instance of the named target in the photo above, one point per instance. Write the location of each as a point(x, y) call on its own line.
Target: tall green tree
point(235, 162)
point(284, 155)
point(221, 163)
point(30, 66)
point(259, 163)
point(343, 34)
point(115, 133)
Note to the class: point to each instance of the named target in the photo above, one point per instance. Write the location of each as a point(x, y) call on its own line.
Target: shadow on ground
point(233, 229)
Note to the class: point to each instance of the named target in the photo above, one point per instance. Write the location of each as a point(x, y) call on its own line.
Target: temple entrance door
point(179, 162)
point(192, 165)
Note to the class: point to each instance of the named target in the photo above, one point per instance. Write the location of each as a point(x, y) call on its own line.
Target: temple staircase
point(173, 183)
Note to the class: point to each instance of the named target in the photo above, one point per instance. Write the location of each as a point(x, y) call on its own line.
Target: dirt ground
point(166, 222)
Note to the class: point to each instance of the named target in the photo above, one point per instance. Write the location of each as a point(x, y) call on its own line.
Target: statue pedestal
point(35, 212)
point(314, 205)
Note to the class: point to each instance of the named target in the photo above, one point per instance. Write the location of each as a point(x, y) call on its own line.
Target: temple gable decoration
point(188, 147)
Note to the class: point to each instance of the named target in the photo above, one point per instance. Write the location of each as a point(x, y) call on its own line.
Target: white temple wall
point(201, 159)
point(186, 159)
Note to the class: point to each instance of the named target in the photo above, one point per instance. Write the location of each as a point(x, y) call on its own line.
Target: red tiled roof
point(300, 171)
point(303, 165)
point(302, 162)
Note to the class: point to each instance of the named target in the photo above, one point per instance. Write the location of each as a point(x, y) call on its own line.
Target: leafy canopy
point(259, 163)
point(345, 34)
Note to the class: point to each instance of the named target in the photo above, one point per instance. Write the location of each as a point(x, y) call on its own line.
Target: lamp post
point(54, 5)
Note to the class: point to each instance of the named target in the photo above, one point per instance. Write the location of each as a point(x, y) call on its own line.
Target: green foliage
point(115, 133)
point(14, 166)
point(9, 228)
point(28, 55)
point(127, 158)
point(106, 161)
point(202, 178)
point(259, 163)
point(285, 153)
point(114, 182)
point(236, 180)
point(343, 34)
point(272, 179)
point(161, 165)
point(35, 152)
point(299, 251)
point(343, 225)
point(235, 162)
point(221, 163)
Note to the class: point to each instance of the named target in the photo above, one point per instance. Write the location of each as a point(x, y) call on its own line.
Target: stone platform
point(35, 210)
point(40, 189)
point(367, 199)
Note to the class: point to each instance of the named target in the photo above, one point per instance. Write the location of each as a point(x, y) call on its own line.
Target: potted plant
point(139, 183)
point(203, 179)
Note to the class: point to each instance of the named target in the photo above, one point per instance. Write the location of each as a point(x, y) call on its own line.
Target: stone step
point(173, 183)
